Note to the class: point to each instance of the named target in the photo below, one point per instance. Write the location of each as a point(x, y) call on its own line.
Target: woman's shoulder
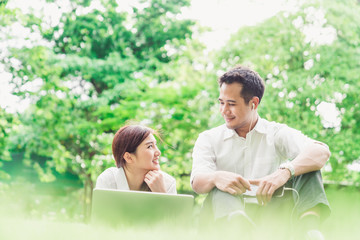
point(109, 172)
point(107, 179)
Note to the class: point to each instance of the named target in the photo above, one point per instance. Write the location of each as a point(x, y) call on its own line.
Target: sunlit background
point(222, 17)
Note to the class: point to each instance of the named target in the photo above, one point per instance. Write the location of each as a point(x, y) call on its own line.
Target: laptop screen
point(129, 208)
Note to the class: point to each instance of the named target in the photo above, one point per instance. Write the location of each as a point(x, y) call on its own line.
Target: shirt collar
point(259, 127)
point(229, 133)
point(123, 184)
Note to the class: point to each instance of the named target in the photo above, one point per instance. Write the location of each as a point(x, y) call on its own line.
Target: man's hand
point(231, 182)
point(154, 179)
point(269, 184)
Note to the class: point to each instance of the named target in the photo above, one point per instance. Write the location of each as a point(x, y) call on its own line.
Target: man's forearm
point(225, 181)
point(312, 158)
point(203, 182)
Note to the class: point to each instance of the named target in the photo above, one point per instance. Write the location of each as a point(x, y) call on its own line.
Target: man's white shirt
point(265, 147)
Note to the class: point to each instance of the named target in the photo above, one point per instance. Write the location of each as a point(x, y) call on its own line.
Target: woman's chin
point(157, 167)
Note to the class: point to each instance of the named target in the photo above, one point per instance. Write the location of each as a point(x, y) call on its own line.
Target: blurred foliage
point(100, 68)
point(7, 122)
point(3, 3)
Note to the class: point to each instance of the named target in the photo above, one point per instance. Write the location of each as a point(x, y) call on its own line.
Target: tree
point(7, 123)
point(91, 80)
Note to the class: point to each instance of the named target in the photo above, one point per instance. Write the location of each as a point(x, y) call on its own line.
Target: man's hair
point(252, 84)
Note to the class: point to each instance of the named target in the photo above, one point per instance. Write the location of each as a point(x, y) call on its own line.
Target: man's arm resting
point(312, 158)
point(203, 182)
point(225, 181)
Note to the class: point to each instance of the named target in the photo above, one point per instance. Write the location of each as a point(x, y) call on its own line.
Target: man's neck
point(242, 132)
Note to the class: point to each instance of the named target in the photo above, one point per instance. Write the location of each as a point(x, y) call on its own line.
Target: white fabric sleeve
point(290, 142)
point(106, 180)
point(170, 183)
point(203, 156)
point(172, 188)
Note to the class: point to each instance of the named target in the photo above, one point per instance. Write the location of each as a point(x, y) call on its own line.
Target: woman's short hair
point(127, 139)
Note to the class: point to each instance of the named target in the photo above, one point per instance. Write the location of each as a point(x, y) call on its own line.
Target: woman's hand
point(154, 179)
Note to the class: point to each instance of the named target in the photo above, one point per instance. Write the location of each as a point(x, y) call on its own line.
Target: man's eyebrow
point(232, 101)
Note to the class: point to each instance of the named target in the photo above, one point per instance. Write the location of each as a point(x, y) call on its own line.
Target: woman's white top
point(115, 178)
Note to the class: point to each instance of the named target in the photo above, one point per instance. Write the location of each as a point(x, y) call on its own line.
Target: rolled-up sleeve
point(290, 142)
point(203, 156)
point(172, 188)
point(170, 183)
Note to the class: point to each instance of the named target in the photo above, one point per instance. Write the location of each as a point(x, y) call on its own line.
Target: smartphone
point(278, 193)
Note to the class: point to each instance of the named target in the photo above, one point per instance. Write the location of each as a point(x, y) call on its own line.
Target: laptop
point(131, 208)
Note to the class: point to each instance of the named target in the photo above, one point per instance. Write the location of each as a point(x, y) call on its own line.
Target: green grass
point(24, 214)
point(37, 230)
point(344, 222)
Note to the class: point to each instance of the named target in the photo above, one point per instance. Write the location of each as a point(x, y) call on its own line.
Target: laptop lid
point(121, 207)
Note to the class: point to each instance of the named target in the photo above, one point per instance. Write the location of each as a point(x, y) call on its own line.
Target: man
point(249, 152)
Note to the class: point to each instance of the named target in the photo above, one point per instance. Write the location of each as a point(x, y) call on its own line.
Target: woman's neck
point(134, 178)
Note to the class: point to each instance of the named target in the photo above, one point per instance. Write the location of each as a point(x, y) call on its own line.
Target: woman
point(137, 159)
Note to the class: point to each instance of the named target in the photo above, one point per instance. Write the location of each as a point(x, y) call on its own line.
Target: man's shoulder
point(215, 131)
point(270, 126)
point(213, 134)
point(278, 130)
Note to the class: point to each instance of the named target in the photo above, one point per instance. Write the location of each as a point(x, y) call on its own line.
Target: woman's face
point(146, 156)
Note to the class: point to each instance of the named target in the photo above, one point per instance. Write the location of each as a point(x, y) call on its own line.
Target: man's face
point(236, 113)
